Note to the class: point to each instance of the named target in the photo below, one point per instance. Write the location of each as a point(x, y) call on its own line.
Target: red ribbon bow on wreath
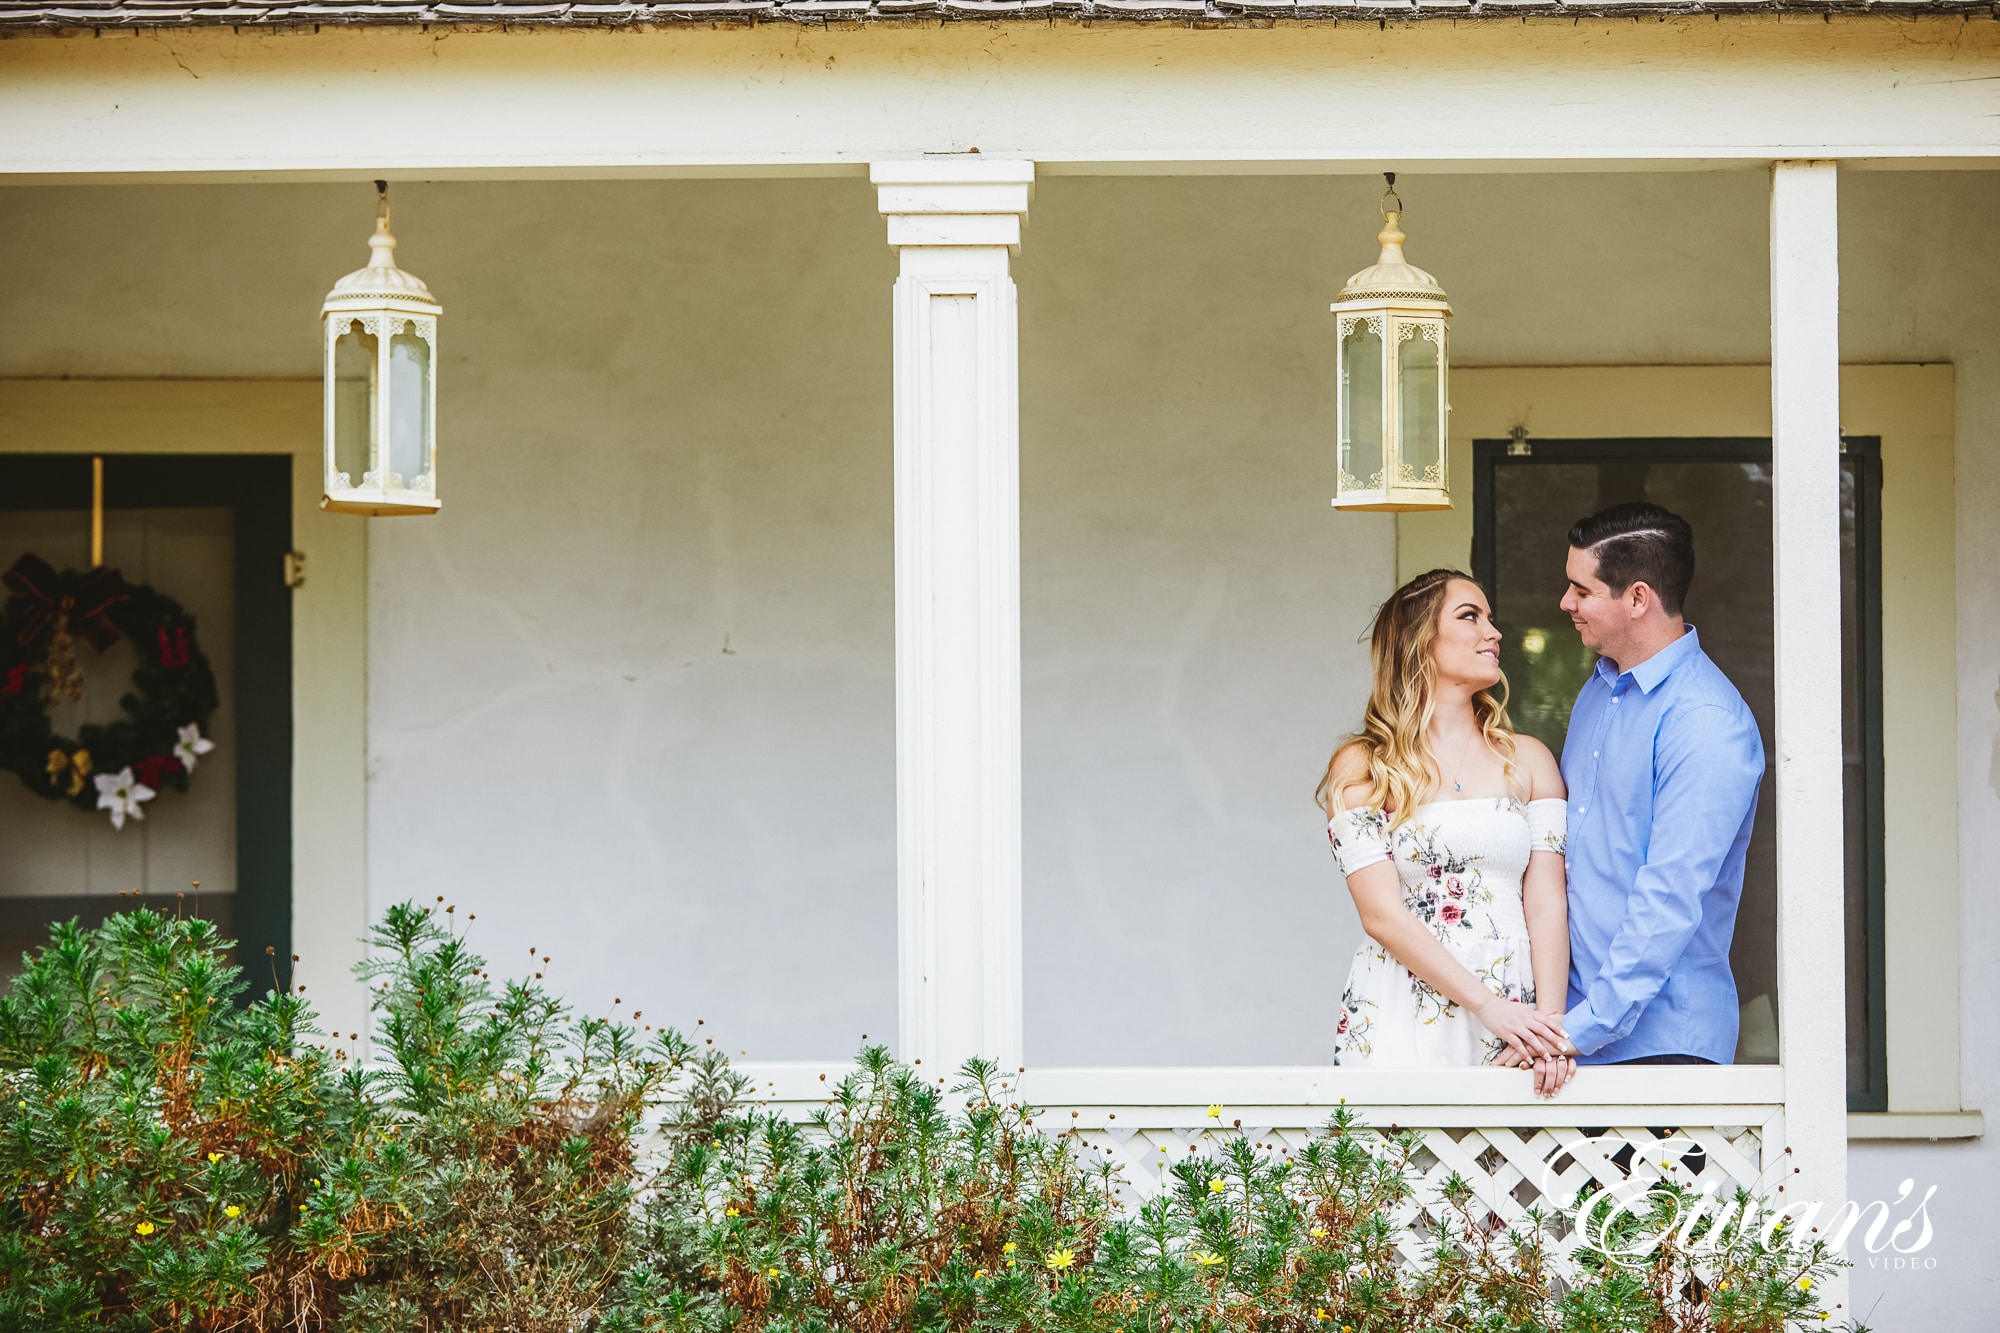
point(87, 606)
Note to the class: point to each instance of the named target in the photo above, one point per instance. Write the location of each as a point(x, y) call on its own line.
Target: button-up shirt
point(1662, 763)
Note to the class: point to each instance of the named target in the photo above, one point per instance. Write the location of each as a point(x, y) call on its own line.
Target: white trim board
point(785, 98)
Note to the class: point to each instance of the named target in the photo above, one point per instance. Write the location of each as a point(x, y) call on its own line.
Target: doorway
point(1533, 490)
point(211, 531)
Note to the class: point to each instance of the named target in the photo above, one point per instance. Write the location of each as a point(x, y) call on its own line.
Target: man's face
point(1600, 616)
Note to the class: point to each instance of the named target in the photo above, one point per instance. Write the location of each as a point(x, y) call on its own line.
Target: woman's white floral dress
point(1461, 864)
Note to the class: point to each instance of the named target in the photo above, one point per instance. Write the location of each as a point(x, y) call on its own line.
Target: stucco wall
point(1898, 304)
point(630, 695)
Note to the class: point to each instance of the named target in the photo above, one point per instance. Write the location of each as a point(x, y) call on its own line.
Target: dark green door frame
point(257, 488)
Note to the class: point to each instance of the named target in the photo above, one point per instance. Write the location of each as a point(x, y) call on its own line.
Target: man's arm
point(1709, 762)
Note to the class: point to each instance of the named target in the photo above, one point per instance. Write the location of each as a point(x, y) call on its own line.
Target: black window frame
point(1865, 454)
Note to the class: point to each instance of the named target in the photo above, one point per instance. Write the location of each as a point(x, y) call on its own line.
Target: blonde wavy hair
point(1395, 729)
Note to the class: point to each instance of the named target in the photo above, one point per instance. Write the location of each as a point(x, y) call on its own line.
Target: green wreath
point(117, 766)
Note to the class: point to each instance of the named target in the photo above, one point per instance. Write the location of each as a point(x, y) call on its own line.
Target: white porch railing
point(1514, 1151)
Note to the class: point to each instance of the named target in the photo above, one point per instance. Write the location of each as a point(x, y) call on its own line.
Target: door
point(211, 532)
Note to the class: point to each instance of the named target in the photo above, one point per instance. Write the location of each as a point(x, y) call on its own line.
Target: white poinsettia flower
point(121, 793)
point(192, 745)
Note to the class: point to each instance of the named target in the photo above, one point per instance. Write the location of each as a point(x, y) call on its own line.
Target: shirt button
point(1593, 754)
point(1583, 809)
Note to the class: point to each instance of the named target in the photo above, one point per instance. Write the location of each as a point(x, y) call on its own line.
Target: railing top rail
point(1711, 1090)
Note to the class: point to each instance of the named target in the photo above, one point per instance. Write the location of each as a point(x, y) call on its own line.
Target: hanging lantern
point(1393, 403)
point(381, 385)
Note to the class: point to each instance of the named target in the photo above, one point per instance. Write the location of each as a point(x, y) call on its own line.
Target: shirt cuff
point(1584, 1031)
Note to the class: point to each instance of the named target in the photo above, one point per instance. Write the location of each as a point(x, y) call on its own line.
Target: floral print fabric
point(1461, 864)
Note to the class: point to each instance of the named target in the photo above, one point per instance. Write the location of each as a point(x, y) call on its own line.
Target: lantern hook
point(1391, 237)
point(382, 245)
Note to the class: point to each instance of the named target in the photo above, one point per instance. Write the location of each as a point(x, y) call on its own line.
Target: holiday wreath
point(116, 766)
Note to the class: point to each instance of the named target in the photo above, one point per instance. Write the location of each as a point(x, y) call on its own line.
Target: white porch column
point(954, 223)
point(1805, 519)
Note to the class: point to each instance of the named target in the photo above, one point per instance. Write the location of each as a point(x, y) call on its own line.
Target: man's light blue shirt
point(1662, 763)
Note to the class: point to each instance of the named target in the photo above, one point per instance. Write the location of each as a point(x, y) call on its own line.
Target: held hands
point(1526, 1031)
point(1535, 1041)
point(1550, 1075)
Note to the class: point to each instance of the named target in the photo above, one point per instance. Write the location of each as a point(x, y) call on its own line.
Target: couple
point(1530, 915)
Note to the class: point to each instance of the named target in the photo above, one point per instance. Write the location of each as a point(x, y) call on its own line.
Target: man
point(1662, 761)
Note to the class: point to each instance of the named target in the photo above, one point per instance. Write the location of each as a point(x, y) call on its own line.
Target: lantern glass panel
point(1361, 407)
point(353, 404)
point(1418, 439)
point(409, 408)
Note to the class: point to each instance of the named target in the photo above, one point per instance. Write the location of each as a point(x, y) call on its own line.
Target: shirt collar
point(1649, 673)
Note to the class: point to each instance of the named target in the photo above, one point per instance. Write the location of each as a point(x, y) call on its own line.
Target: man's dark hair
point(1640, 543)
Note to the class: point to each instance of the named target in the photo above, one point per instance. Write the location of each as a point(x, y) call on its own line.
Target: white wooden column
point(954, 222)
point(1805, 519)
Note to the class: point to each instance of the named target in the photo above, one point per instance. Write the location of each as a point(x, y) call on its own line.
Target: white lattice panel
point(1509, 1169)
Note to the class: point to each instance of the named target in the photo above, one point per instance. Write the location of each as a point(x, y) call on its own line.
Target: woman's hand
point(1550, 1075)
point(1534, 1036)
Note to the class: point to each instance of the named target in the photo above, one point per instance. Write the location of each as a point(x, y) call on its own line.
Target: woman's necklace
point(1459, 772)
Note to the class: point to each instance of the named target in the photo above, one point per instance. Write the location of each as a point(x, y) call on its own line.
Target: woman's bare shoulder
point(1347, 781)
point(1539, 763)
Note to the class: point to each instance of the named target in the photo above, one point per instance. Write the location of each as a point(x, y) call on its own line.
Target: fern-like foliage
point(173, 1158)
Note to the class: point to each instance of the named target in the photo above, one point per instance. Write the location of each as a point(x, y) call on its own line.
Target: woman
point(1449, 828)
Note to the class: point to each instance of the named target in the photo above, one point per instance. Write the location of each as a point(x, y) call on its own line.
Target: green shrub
point(486, 1180)
point(157, 1138)
point(170, 1158)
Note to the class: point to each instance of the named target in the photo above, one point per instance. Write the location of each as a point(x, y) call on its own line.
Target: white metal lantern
point(1392, 360)
point(381, 385)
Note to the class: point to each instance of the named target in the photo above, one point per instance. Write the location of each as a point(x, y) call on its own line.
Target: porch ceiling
point(148, 14)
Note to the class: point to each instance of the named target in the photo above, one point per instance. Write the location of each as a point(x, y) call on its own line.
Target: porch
point(652, 699)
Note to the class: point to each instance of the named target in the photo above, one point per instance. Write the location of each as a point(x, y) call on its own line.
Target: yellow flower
point(1215, 1110)
point(770, 1272)
point(232, 1211)
point(1318, 1233)
point(1059, 1259)
point(1805, 1284)
point(24, 1106)
point(729, 1212)
point(1206, 1258)
point(214, 1157)
point(1008, 1248)
point(144, 1228)
point(978, 1273)
point(1216, 1186)
point(1321, 1314)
